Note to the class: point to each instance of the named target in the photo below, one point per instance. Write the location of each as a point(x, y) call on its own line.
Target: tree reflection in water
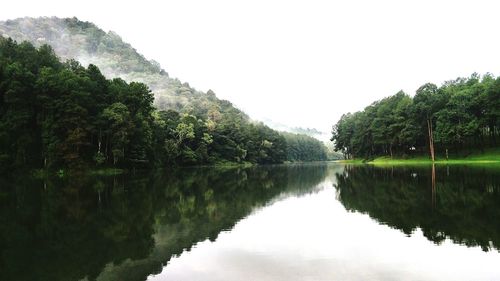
point(127, 227)
point(464, 203)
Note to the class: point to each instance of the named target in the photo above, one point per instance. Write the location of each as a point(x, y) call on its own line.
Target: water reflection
point(348, 232)
point(295, 222)
point(458, 202)
point(127, 227)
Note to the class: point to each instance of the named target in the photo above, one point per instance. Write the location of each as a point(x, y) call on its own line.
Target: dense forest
point(85, 42)
point(55, 114)
point(304, 148)
point(460, 116)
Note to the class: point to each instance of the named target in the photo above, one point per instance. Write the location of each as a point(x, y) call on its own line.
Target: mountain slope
point(85, 42)
point(208, 129)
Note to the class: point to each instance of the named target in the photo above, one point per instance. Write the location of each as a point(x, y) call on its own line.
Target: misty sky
point(301, 63)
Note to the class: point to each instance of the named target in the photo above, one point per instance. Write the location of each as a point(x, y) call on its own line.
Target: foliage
point(64, 115)
point(304, 148)
point(85, 42)
point(464, 114)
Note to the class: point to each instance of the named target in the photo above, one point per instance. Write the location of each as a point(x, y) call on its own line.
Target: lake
point(323, 221)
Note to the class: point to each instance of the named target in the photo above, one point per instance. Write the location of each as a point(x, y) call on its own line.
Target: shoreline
point(491, 156)
point(399, 161)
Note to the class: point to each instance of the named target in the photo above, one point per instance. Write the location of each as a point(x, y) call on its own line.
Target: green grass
point(352, 161)
point(224, 163)
point(489, 156)
point(45, 173)
point(107, 172)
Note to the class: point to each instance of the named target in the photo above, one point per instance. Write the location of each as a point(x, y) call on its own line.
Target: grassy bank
point(489, 156)
point(109, 171)
point(45, 173)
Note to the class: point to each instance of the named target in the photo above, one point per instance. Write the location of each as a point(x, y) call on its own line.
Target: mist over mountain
point(85, 42)
point(207, 130)
point(312, 132)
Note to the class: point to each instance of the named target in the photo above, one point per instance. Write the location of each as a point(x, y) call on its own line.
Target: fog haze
point(298, 63)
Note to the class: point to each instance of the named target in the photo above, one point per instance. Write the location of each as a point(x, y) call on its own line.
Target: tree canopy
point(55, 114)
point(463, 114)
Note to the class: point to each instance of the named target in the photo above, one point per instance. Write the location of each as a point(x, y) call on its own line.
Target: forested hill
point(63, 114)
point(461, 116)
point(85, 42)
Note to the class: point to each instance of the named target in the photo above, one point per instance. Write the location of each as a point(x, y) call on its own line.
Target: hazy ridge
point(85, 42)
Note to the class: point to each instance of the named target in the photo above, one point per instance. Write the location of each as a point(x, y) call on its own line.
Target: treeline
point(460, 116)
point(55, 114)
point(304, 148)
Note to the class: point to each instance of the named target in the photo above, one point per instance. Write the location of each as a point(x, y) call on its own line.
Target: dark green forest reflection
point(463, 205)
point(129, 226)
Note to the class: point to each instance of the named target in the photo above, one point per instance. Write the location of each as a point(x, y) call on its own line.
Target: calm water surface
point(295, 222)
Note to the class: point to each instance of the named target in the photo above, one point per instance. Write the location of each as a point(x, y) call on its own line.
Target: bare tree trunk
point(431, 139)
point(99, 142)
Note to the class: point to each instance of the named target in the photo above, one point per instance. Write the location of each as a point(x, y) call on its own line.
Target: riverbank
point(109, 171)
point(489, 156)
point(44, 173)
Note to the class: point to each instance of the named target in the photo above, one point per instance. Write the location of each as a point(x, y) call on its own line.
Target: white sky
point(300, 63)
